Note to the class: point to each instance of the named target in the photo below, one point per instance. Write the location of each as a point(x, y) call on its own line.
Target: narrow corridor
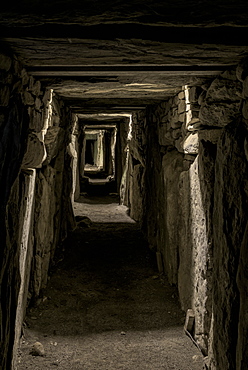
point(106, 307)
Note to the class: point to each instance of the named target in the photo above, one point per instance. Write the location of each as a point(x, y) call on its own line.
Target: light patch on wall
point(130, 126)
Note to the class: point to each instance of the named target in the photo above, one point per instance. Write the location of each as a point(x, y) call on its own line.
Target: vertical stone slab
point(26, 252)
point(14, 131)
point(136, 192)
point(242, 281)
point(172, 166)
point(194, 252)
point(229, 222)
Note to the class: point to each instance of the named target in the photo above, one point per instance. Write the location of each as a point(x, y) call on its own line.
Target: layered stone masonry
point(200, 110)
point(179, 122)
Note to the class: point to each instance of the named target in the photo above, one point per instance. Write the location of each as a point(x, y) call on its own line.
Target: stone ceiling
point(121, 56)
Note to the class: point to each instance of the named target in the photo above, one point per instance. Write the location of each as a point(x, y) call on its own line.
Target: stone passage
point(145, 101)
point(107, 308)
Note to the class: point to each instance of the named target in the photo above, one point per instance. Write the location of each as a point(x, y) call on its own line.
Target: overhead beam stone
point(99, 70)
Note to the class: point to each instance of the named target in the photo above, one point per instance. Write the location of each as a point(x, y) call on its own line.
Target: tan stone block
point(24, 77)
point(38, 103)
point(175, 101)
point(35, 153)
point(31, 83)
point(37, 88)
point(191, 143)
point(182, 117)
point(219, 114)
point(181, 106)
point(28, 99)
point(224, 90)
point(181, 95)
point(36, 122)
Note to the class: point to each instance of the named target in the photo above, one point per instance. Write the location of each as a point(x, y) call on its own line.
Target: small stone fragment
point(181, 95)
point(37, 349)
point(191, 143)
point(28, 98)
point(36, 88)
point(197, 358)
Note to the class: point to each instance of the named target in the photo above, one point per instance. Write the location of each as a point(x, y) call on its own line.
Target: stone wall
point(53, 214)
point(35, 186)
point(194, 209)
point(229, 224)
point(13, 135)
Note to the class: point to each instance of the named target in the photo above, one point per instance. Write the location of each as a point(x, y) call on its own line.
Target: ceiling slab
point(59, 52)
point(120, 55)
point(92, 12)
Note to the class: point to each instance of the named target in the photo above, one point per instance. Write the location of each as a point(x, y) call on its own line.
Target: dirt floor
point(106, 307)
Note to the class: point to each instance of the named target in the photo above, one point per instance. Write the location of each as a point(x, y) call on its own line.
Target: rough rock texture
point(27, 115)
point(195, 254)
point(195, 215)
point(229, 220)
point(14, 124)
point(222, 102)
point(136, 195)
point(242, 355)
point(172, 166)
point(26, 240)
point(136, 166)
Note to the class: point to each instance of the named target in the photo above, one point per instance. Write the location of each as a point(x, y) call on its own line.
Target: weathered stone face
point(25, 121)
point(229, 222)
point(195, 214)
